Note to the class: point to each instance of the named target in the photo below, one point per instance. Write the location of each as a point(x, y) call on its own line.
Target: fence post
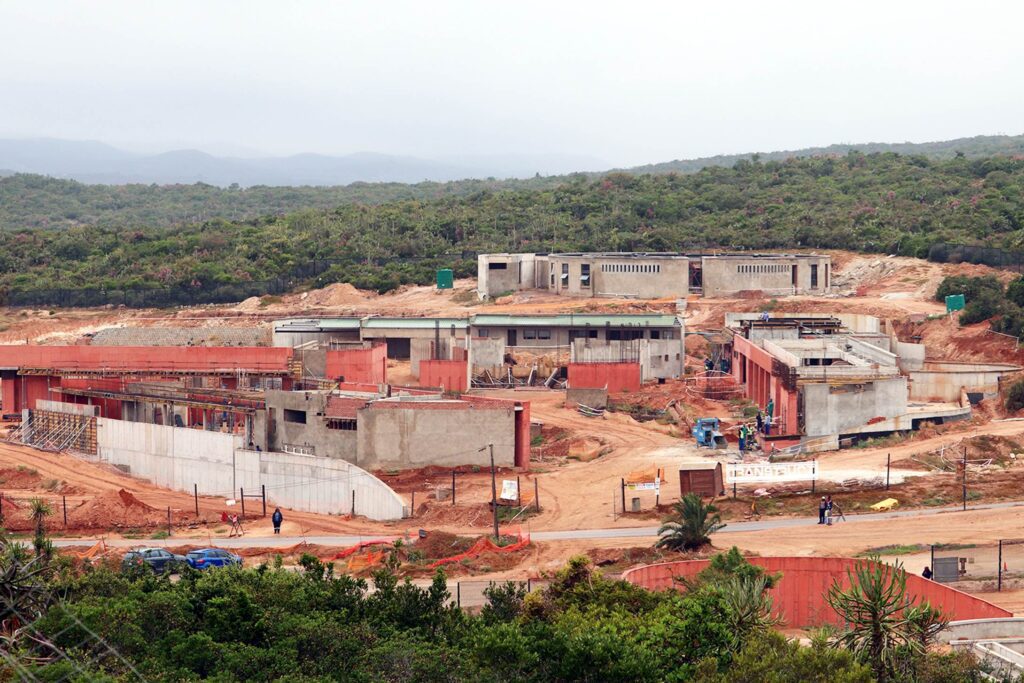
point(932, 565)
point(965, 478)
point(353, 511)
point(195, 493)
point(168, 520)
point(999, 569)
point(536, 495)
point(64, 500)
point(412, 507)
point(263, 492)
point(458, 594)
point(453, 487)
point(622, 483)
point(241, 497)
point(888, 464)
point(519, 493)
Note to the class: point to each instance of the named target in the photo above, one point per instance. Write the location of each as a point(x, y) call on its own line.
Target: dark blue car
point(212, 557)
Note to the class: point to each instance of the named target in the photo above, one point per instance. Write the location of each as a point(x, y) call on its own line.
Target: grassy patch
point(159, 535)
point(885, 550)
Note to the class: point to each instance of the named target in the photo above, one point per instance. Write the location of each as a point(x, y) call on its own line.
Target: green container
point(954, 302)
point(445, 278)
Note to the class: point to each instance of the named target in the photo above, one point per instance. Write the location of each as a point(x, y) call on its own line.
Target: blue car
point(212, 557)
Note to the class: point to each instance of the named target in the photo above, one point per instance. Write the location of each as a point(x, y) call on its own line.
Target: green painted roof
point(413, 323)
point(316, 324)
point(576, 320)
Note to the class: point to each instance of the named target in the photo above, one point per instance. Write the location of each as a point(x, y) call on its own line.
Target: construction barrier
point(485, 545)
point(351, 550)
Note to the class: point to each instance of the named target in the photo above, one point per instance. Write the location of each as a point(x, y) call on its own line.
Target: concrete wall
point(444, 433)
point(486, 353)
point(800, 597)
point(500, 273)
point(725, 275)
point(942, 381)
point(649, 278)
point(911, 356)
point(592, 398)
point(182, 458)
point(328, 443)
point(843, 408)
point(658, 358)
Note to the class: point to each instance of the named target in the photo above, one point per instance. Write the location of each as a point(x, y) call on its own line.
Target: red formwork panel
point(450, 374)
point(615, 377)
point(365, 366)
point(198, 359)
point(800, 595)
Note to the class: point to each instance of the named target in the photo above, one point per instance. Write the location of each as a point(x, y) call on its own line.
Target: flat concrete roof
point(574, 320)
point(414, 323)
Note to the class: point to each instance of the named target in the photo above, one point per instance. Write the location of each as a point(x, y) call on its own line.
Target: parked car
point(157, 559)
point(212, 557)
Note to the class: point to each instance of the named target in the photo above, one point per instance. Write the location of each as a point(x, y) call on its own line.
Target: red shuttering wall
point(366, 366)
point(800, 595)
point(615, 376)
point(450, 374)
point(198, 359)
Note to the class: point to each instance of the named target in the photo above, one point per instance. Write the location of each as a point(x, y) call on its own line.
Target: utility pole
point(494, 491)
point(965, 478)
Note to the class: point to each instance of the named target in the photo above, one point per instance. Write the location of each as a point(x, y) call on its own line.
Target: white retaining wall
point(180, 458)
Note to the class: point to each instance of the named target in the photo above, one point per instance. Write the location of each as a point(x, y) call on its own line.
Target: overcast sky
point(625, 82)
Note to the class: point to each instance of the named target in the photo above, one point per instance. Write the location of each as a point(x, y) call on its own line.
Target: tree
point(883, 629)
point(771, 657)
point(39, 510)
point(690, 525)
point(1015, 396)
point(749, 605)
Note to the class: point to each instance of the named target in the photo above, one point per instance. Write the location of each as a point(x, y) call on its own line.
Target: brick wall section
point(616, 377)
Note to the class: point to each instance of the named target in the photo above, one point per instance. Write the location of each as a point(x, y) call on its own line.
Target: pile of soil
point(440, 544)
point(20, 478)
point(338, 294)
point(444, 513)
point(118, 509)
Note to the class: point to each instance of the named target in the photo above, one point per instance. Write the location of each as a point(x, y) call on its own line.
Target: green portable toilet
point(954, 302)
point(445, 278)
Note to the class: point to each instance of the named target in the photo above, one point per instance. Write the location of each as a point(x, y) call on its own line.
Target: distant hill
point(99, 163)
point(972, 148)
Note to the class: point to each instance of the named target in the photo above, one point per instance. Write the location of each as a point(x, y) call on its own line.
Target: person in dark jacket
point(822, 507)
point(277, 518)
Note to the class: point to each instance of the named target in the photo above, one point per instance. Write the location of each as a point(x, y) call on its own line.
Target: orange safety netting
point(485, 545)
point(374, 558)
point(342, 554)
point(649, 475)
point(98, 549)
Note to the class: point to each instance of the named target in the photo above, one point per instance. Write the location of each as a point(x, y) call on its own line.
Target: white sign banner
point(509, 489)
point(646, 486)
point(770, 472)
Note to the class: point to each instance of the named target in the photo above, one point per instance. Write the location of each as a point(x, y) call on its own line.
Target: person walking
point(767, 425)
point(927, 573)
point(822, 506)
point(760, 421)
point(277, 518)
point(828, 511)
point(743, 437)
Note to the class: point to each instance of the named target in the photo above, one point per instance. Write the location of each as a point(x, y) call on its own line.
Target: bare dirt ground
point(574, 493)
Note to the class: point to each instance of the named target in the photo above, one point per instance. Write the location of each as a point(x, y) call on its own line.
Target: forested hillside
point(881, 203)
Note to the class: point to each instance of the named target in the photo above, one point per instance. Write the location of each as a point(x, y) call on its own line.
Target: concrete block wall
point(615, 377)
point(450, 374)
point(842, 409)
point(181, 458)
point(366, 365)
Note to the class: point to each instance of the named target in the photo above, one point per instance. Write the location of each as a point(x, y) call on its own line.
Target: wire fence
point(996, 566)
point(946, 252)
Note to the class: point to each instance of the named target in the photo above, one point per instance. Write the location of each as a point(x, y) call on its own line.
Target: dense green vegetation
point(878, 203)
point(987, 299)
point(269, 623)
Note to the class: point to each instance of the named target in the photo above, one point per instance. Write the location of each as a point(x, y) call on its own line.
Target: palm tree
point(690, 525)
point(38, 512)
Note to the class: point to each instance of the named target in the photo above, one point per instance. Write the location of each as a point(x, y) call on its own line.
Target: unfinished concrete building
point(654, 275)
point(837, 377)
point(226, 420)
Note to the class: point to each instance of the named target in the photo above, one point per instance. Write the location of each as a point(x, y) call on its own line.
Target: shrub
point(1015, 396)
point(982, 307)
point(970, 287)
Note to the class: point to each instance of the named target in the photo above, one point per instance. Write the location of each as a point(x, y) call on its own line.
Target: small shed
point(445, 278)
point(703, 478)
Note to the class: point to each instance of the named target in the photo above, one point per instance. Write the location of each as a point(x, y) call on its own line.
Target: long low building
point(654, 275)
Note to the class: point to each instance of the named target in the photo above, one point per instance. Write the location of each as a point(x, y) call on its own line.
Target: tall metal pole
point(965, 478)
point(888, 463)
point(999, 569)
point(494, 493)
